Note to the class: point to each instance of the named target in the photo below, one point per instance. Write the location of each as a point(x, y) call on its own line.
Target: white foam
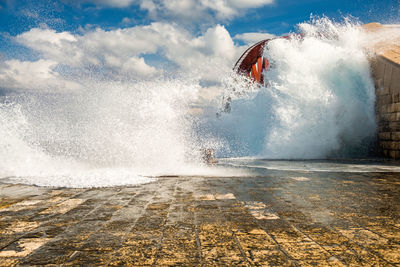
point(318, 101)
point(84, 138)
point(345, 166)
point(111, 134)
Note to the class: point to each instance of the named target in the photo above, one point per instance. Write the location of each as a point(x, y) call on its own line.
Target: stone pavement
point(295, 219)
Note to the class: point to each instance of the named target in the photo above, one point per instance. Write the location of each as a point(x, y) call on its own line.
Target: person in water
point(208, 156)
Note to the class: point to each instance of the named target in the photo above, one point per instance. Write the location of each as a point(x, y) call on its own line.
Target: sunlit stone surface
point(286, 218)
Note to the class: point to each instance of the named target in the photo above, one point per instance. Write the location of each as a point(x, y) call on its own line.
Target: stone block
point(395, 81)
point(391, 108)
point(379, 86)
point(395, 145)
point(395, 136)
point(395, 97)
point(385, 152)
point(395, 107)
point(394, 154)
point(383, 99)
point(394, 126)
point(387, 117)
point(390, 117)
point(384, 144)
point(383, 109)
point(378, 67)
point(391, 145)
point(387, 78)
point(378, 71)
point(385, 136)
point(383, 127)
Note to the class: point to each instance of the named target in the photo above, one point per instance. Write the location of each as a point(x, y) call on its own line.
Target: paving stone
point(288, 220)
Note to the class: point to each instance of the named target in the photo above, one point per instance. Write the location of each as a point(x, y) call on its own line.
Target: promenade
point(283, 219)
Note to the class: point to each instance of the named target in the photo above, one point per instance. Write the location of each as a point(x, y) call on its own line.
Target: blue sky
point(277, 18)
point(141, 37)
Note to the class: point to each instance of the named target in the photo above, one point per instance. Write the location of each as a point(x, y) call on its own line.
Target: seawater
point(318, 103)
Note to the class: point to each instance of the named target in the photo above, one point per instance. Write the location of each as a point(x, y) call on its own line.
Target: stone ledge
point(386, 73)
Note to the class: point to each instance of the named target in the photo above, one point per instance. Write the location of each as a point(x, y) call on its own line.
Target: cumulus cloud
point(132, 65)
point(109, 49)
point(122, 53)
point(250, 3)
point(208, 55)
point(189, 10)
point(112, 3)
point(59, 47)
point(122, 50)
point(253, 37)
point(37, 75)
point(199, 9)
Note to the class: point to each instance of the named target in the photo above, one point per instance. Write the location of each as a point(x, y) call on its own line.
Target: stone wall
point(386, 72)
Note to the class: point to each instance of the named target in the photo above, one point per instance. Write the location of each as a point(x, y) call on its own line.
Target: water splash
point(318, 103)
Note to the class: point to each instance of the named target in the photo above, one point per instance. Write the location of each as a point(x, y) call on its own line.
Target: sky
point(45, 43)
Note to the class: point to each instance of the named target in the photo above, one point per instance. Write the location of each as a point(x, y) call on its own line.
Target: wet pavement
point(283, 219)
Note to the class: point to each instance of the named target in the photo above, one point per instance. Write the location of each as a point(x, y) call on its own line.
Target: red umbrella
point(252, 62)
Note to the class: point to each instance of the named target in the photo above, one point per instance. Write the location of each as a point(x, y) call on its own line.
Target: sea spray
point(138, 126)
point(318, 100)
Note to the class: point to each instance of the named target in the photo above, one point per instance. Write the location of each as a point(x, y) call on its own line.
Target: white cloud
point(122, 49)
point(132, 65)
point(95, 48)
point(60, 47)
point(37, 75)
point(112, 3)
point(253, 37)
point(126, 20)
point(122, 52)
point(250, 3)
point(188, 10)
point(208, 56)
